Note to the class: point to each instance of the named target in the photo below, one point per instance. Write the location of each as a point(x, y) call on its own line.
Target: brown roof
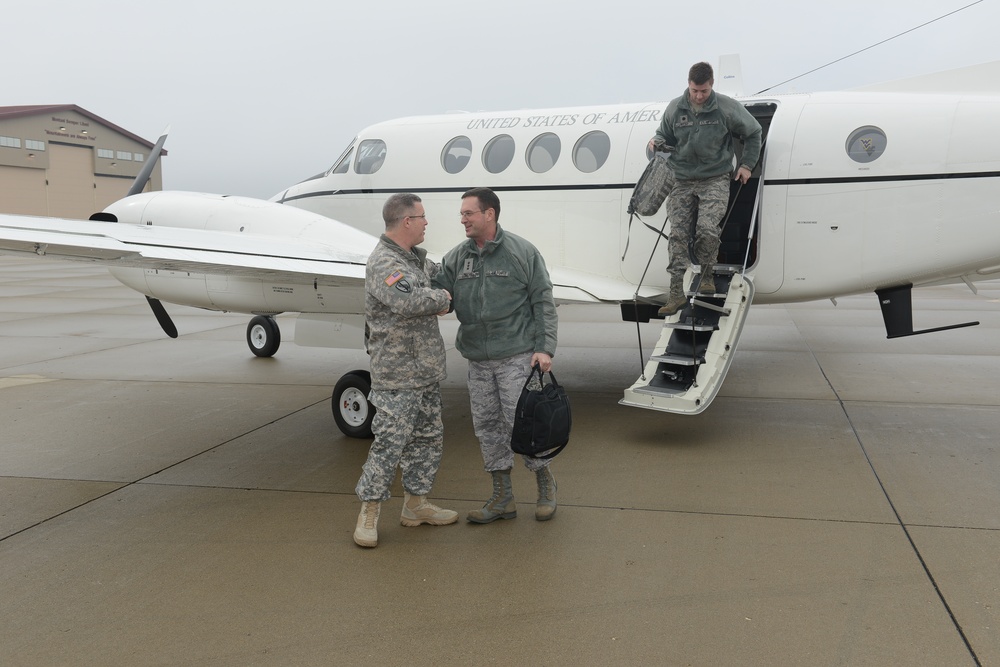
point(36, 109)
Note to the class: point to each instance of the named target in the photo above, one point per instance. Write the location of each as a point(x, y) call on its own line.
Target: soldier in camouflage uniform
point(503, 300)
point(697, 128)
point(407, 365)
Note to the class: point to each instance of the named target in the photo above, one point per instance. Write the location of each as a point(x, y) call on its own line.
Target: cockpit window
point(591, 151)
point(343, 163)
point(456, 154)
point(371, 155)
point(498, 154)
point(543, 151)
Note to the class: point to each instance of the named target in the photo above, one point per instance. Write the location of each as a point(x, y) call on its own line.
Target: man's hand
point(448, 307)
point(542, 360)
point(742, 175)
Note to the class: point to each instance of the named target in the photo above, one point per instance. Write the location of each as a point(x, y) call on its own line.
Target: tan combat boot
point(417, 511)
point(675, 301)
point(707, 285)
point(545, 508)
point(501, 504)
point(366, 533)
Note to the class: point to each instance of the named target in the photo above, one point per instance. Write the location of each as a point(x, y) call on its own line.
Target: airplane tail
point(729, 76)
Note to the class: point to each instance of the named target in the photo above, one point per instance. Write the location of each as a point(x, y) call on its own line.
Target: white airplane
point(874, 190)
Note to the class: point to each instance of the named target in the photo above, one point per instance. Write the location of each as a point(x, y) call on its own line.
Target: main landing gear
point(351, 409)
point(263, 336)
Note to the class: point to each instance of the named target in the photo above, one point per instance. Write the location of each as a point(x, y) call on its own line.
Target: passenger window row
point(589, 154)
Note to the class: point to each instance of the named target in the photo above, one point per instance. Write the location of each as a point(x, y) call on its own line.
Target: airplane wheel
point(351, 409)
point(263, 336)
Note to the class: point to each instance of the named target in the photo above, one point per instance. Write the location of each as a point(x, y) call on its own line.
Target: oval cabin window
point(591, 151)
point(498, 154)
point(456, 154)
point(543, 151)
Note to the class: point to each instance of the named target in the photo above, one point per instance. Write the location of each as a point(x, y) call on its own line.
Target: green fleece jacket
point(502, 296)
point(702, 141)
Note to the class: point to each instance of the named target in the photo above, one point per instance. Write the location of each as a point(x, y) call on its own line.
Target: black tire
point(263, 336)
point(351, 409)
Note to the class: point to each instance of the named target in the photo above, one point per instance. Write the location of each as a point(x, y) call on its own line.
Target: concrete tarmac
point(181, 502)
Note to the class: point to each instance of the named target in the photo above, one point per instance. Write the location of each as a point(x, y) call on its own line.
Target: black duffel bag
point(542, 419)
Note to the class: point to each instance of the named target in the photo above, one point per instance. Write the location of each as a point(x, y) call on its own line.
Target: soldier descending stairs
point(707, 306)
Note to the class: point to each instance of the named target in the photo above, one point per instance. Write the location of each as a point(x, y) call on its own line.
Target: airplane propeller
point(162, 317)
point(138, 186)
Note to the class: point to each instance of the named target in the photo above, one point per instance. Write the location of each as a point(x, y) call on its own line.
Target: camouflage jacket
point(401, 332)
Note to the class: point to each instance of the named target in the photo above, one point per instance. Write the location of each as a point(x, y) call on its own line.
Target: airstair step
point(710, 306)
point(688, 326)
point(678, 359)
point(659, 391)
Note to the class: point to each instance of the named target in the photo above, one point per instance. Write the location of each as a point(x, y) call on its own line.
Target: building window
point(33, 145)
point(106, 153)
point(10, 142)
point(138, 157)
point(123, 155)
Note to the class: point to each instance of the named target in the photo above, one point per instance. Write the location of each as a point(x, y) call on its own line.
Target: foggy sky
point(260, 95)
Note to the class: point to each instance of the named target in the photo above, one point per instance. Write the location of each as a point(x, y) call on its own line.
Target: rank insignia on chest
point(468, 270)
point(394, 278)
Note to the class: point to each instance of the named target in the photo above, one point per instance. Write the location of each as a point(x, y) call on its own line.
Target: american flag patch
point(394, 278)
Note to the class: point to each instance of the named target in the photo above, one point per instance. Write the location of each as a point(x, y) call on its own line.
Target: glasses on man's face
point(469, 214)
point(414, 217)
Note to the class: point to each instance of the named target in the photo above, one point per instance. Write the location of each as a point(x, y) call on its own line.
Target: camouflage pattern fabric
point(401, 308)
point(494, 387)
point(407, 363)
point(707, 199)
point(409, 434)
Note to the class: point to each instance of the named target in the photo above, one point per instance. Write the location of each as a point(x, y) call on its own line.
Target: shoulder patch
point(394, 278)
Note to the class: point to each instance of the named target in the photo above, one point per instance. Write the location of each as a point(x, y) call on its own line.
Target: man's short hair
point(396, 207)
point(487, 199)
point(701, 73)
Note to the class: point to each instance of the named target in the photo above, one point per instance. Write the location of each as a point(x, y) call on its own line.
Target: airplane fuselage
point(859, 190)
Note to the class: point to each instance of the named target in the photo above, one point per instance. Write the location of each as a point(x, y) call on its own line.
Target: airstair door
point(696, 345)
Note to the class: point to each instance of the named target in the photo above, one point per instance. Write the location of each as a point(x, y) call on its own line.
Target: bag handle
point(541, 377)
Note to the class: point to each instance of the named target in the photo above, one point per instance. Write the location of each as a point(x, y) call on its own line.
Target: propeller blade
point(147, 169)
point(162, 317)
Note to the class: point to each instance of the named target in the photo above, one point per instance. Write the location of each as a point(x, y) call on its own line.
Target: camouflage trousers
point(705, 200)
point(409, 434)
point(494, 387)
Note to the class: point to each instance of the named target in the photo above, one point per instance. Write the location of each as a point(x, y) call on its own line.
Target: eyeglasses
point(469, 214)
point(414, 217)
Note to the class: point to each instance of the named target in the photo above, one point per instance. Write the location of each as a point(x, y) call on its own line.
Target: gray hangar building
point(63, 161)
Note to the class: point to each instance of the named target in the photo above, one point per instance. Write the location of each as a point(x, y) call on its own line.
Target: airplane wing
point(272, 258)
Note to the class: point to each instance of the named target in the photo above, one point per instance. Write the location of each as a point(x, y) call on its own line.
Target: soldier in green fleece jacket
point(698, 129)
point(502, 295)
